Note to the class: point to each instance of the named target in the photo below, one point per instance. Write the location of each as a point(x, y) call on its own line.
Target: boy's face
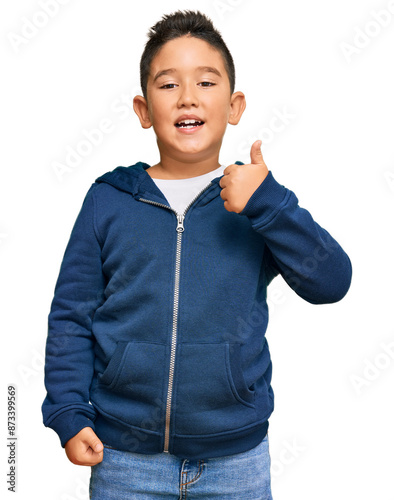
point(188, 80)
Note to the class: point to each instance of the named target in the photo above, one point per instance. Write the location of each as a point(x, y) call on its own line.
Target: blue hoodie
point(156, 333)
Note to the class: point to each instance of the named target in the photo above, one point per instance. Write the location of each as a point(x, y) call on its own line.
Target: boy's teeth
point(188, 123)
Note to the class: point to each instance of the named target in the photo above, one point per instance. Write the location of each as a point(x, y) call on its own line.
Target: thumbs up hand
point(239, 182)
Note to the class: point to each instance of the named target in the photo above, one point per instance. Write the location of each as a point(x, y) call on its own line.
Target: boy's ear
point(238, 105)
point(140, 107)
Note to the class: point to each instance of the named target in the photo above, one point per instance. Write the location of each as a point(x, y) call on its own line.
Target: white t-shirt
point(180, 192)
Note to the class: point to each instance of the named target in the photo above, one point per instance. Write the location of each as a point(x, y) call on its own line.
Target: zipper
point(179, 229)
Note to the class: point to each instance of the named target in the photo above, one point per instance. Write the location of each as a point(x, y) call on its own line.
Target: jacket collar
point(136, 181)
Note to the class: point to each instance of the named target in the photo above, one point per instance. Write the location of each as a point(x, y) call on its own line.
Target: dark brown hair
point(175, 25)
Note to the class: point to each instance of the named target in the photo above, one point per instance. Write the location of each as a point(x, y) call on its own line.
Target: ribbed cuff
point(69, 423)
point(266, 201)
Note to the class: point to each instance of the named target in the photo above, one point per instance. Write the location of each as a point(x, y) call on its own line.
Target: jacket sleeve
point(310, 260)
point(69, 356)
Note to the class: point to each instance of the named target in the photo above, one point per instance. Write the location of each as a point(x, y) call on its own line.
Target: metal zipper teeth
point(179, 228)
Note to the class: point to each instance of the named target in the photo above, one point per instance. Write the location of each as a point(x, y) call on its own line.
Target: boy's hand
point(85, 448)
point(241, 181)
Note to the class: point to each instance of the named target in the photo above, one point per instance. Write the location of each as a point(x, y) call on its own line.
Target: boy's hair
point(183, 23)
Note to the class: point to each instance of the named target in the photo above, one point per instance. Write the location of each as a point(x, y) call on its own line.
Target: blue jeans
point(123, 475)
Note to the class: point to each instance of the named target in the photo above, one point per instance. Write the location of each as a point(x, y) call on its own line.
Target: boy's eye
point(168, 86)
point(173, 85)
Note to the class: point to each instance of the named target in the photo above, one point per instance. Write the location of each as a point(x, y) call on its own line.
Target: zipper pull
point(180, 228)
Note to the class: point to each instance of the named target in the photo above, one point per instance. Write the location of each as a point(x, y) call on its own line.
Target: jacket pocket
point(241, 391)
point(212, 395)
point(112, 372)
point(131, 387)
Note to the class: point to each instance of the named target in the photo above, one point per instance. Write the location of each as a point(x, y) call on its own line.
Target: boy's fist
point(85, 448)
point(239, 182)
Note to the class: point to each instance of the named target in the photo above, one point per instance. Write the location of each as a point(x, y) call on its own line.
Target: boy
point(157, 372)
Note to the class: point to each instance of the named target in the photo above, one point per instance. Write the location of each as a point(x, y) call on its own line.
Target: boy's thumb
point(255, 153)
point(94, 442)
point(97, 445)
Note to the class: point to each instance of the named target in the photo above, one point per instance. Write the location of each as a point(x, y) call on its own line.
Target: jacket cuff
point(69, 423)
point(266, 201)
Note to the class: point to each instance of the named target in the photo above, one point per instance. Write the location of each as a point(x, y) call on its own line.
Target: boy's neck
point(173, 169)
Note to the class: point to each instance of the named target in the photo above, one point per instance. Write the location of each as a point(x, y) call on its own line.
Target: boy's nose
point(188, 96)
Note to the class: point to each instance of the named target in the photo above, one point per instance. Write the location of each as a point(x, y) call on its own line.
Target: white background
point(336, 153)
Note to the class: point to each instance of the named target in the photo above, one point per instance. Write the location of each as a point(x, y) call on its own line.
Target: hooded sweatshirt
point(156, 333)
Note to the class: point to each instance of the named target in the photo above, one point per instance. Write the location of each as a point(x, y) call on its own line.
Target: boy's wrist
point(70, 422)
point(267, 199)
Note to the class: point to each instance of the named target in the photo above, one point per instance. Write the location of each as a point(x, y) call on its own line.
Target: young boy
point(158, 372)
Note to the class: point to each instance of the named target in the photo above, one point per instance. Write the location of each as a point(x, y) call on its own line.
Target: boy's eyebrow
point(207, 69)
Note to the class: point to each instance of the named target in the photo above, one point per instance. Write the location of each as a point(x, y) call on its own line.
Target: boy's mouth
point(189, 124)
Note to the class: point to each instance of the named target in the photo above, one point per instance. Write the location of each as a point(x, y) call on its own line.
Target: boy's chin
point(189, 149)
point(194, 151)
